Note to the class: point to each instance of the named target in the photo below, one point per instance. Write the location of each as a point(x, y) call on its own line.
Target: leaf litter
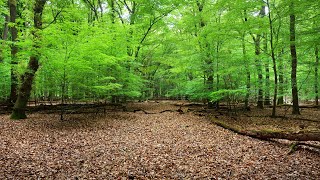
point(127, 145)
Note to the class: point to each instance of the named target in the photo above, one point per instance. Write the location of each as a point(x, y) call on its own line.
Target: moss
point(18, 114)
point(269, 131)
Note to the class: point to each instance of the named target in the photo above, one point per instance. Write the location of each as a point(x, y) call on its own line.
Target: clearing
point(128, 145)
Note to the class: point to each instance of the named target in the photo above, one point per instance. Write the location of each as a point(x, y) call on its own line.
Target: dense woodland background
point(254, 51)
point(137, 89)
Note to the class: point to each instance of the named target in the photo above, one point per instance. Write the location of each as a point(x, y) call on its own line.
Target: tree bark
point(316, 75)
point(274, 63)
point(294, 61)
point(112, 11)
point(248, 85)
point(33, 65)
point(267, 99)
point(14, 51)
point(281, 82)
point(4, 37)
point(257, 40)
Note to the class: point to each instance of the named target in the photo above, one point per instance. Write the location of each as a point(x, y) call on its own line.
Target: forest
point(159, 89)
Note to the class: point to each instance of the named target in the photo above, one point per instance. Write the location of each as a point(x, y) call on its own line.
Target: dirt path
point(143, 146)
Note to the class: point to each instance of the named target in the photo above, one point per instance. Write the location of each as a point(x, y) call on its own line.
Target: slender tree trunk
point(33, 65)
point(316, 75)
point(275, 90)
point(14, 51)
point(259, 69)
point(244, 53)
point(112, 11)
point(267, 98)
point(217, 103)
point(257, 41)
point(281, 82)
point(101, 9)
point(294, 62)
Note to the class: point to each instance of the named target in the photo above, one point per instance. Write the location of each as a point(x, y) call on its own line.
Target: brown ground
point(127, 145)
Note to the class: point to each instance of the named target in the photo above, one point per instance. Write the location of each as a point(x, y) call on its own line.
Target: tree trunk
point(112, 11)
point(294, 62)
point(33, 65)
point(4, 37)
point(14, 51)
point(244, 53)
point(316, 75)
point(281, 82)
point(217, 103)
point(267, 99)
point(209, 83)
point(257, 41)
point(259, 69)
point(208, 59)
point(275, 90)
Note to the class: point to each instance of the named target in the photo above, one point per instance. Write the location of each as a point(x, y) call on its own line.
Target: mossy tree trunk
point(14, 50)
point(33, 65)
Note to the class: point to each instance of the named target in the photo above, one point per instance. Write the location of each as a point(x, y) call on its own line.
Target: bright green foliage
point(163, 49)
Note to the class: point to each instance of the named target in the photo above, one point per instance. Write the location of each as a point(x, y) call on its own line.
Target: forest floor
point(140, 145)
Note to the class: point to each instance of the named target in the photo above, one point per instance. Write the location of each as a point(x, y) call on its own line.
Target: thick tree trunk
point(14, 51)
point(294, 62)
point(33, 65)
point(316, 75)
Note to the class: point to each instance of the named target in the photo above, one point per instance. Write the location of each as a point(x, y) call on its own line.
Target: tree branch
point(54, 19)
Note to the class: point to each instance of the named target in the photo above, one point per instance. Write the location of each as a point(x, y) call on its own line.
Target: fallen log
point(145, 112)
point(284, 117)
point(167, 110)
point(268, 134)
